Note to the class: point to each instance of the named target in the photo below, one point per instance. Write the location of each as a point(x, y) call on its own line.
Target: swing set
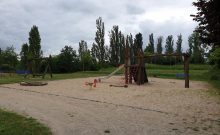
point(137, 71)
point(36, 64)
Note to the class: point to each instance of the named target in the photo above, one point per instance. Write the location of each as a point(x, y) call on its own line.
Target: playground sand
point(163, 106)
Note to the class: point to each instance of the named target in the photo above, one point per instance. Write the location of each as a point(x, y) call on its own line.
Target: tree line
point(100, 55)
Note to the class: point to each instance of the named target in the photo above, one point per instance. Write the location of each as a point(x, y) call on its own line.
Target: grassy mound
point(14, 124)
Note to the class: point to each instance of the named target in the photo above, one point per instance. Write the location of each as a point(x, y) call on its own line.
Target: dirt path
point(161, 107)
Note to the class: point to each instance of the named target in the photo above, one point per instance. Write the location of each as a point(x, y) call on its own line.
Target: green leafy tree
point(190, 43)
point(169, 45)
point(85, 57)
point(117, 46)
point(209, 25)
point(121, 48)
point(197, 55)
point(150, 46)
point(24, 56)
point(133, 48)
point(68, 60)
point(107, 54)
point(9, 58)
point(94, 51)
point(114, 45)
point(179, 44)
point(35, 51)
point(138, 42)
point(215, 56)
point(179, 47)
point(82, 48)
point(159, 45)
point(100, 41)
point(159, 50)
point(35, 42)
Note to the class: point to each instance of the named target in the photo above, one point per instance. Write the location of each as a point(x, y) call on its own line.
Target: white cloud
point(67, 22)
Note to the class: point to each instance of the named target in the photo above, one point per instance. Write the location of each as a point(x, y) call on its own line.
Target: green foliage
point(24, 56)
point(133, 48)
point(195, 49)
point(159, 45)
point(179, 44)
point(13, 124)
point(82, 48)
point(215, 56)
point(68, 60)
point(117, 46)
point(114, 45)
point(208, 25)
point(169, 45)
point(35, 42)
point(138, 43)
point(94, 51)
point(208, 18)
point(100, 41)
point(87, 62)
point(7, 68)
point(35, 48)
point(150, 47)
point(9, 57)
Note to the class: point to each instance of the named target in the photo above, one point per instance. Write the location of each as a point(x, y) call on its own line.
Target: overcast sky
point(66, 22)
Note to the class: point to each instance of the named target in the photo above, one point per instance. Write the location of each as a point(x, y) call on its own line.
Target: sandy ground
point(162, 107)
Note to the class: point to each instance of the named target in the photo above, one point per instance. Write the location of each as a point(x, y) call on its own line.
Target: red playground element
point(91, 84)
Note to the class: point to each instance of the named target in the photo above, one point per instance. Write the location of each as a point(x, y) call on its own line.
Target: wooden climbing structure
point(138, 73)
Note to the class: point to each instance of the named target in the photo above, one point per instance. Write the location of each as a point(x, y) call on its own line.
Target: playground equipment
point(137, 72)
point(110, 75)
point(33, 83)
point(91, 84)
point(112, 85)
point(35, 64)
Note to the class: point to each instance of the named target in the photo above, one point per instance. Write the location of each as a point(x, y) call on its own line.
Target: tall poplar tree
point(35, 51)
point(114, 45)
point(179, 44)
point(100, 40)
point(138, 43)
point(35, 42)
point(159, 45)
point(150, 46)
point(169, 45)
point(24, 56)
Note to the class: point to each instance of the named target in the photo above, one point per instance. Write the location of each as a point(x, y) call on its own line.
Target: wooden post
point(126, 64)
point(139, 77)
point(186, 70)
point(130, 75)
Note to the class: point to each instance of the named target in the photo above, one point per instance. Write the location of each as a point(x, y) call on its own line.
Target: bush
point(6, 68)
point(215, 57)
point(214, 74)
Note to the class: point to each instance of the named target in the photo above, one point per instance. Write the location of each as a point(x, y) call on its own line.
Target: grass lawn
point(197, 72)
point(14, 124)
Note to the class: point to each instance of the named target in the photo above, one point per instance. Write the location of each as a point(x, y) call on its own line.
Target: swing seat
point(180, 75)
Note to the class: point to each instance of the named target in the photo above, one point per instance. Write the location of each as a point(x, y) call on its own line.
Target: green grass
point(14, 124)
point(197, 72)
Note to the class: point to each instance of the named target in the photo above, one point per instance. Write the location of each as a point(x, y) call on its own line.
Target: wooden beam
point(186, 70)
point(160, 55)
point(126, 63)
